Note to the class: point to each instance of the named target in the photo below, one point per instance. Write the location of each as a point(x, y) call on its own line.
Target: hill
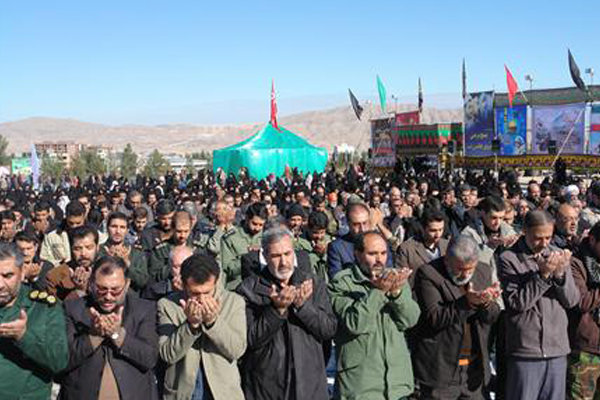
point(323, 128)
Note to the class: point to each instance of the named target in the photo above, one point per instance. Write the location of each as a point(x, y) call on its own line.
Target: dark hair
point(317, 220)
point(352, 207)
point(318, 199)
point(75, 209)
point(359, 244)
point(140, 212)
point(41, 205)
point(199, 267)
point(117, 215)
point(181, 216)
point(492, 204)
point(81, 232)
point(24, 236)
point(595, 231)
point(106, 265)
point(257, 210)
point(537, 218)
point(432, 215)
point(165, 207)
point(7, 215)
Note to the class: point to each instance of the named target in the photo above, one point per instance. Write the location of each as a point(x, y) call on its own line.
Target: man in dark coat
point(457, 296)
point(289, 316)
point(113, 340)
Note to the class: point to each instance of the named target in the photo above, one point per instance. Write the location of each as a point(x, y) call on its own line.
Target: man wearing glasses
point(112, 337)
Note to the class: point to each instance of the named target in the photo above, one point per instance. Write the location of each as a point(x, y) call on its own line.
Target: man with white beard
point(457, 299)
point(288, 318)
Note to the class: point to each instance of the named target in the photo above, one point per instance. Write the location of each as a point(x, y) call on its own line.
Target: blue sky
point(154, 62)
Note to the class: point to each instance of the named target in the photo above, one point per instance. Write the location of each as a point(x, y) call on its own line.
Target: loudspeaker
point(495, 145)
point(552, 147)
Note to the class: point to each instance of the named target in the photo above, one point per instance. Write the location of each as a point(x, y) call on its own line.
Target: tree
point(156, 165)
point(52, 167)
point(87, 163)
point(189, 164)
point(4, 157)
point(129, 161)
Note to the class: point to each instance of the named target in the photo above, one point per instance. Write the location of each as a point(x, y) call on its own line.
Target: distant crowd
point(335, 285)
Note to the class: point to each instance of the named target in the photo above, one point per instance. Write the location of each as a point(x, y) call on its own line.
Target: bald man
point(565, 234)
point(158, 290)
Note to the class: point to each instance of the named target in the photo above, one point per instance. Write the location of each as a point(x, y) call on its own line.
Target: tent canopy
point(269, 151)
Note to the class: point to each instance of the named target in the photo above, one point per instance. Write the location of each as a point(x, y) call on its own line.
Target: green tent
point(269, 151)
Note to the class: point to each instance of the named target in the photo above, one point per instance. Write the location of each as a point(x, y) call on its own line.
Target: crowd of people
point(410, 285)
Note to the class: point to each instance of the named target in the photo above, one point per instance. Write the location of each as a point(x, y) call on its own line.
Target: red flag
point(273, 106)
point(513, 88)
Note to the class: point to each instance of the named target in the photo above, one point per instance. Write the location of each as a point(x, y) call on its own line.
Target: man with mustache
point(112, 337)
point(288, 318)
point(33, 340)
point(56, 245)
point(538, 290)
point(457, 296)
point(374, 306)
point(117, 226)
point(70, 280)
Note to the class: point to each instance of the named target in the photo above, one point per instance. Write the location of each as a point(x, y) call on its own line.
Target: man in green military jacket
point(33, 338)
point(158, 262)
point(374, 306)
point(240, 241)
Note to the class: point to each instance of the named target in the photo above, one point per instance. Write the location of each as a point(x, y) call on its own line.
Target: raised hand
point(15, 329)
point(284, 298)
point(303, 292)
point(399, 279)
point(211, 308)
point(193, 312)
point(81, 277)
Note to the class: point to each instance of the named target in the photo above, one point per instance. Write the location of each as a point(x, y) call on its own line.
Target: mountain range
point(322, 127)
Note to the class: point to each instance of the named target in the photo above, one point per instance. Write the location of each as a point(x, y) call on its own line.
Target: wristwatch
point(115, 336)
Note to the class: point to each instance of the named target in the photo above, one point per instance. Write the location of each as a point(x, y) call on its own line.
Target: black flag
point(575, 74)
point(357, 107)
point(420, 97)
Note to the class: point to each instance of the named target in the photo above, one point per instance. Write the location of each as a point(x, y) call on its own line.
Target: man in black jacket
point(112, 339)
point(457, 298)
point(289, 316)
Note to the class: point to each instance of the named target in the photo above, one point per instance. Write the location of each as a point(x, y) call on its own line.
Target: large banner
point(595, 130)
point(479, 123)
point(408, 118)
point(511, 128)
point(382, 143)
point(21, 166)
point(555, 123)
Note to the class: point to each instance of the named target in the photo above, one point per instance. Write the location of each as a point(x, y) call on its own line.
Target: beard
point(8, 295)
point(282, 274)
point(460, 282)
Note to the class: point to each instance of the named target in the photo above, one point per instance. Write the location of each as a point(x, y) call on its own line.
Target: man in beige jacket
point(202, 335)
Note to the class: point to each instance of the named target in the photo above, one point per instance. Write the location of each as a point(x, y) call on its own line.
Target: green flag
point(382, 95)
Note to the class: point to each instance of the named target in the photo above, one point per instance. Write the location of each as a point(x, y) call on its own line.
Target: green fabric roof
point(269, 151)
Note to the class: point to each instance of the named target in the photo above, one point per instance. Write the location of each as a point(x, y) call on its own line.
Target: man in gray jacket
point(202, 335)
point(538, 290)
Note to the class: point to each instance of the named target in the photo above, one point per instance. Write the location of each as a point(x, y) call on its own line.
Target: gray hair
point(463, 248)
point(10, 250)
point(273, 235)
point(190, 207)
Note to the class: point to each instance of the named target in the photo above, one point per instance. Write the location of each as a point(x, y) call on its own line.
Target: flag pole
point(567, 138)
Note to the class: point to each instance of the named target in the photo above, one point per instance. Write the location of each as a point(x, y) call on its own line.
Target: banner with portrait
point(382, 143)
point(564, 124)
point(511, 128)
point(595, 130)
point(408, 118)
point(479, 123)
